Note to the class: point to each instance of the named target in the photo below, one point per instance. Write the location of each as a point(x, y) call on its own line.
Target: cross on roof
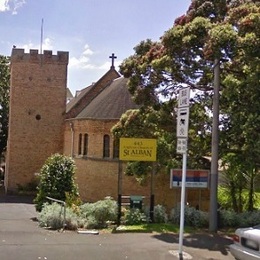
point(113, 57)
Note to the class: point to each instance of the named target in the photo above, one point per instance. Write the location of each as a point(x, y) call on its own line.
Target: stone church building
point(42, 122)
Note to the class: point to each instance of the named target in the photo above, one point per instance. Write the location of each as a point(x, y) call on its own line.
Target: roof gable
point(76, 105)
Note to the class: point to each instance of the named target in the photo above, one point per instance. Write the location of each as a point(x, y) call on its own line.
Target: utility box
point(136, 202)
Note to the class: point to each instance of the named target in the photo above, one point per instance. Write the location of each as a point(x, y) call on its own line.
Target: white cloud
point(46, 45)
point(107, 65)
point(11, 5)
point(83, 61)
point(4, 5)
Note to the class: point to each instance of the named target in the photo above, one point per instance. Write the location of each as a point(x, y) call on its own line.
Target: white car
point(246, 244)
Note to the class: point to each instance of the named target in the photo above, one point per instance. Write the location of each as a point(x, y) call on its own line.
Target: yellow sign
point(137, 149)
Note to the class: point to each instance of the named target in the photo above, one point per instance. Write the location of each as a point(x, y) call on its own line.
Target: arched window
point(106, 144)
point(116, 148)
point(80, 145)
point(85, 146)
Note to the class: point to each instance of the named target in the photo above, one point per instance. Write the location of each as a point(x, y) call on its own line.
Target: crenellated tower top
point(18, 55)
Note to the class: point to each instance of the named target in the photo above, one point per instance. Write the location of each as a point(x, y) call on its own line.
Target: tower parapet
point(33, 56)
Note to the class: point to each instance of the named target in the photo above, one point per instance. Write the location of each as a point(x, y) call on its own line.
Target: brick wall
point(37, 109)
point(98, 177)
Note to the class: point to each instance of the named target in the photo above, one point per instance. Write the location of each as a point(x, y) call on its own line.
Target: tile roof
point(78, 96)
point(111, 103)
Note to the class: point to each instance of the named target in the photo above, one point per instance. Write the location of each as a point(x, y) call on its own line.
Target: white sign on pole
point(181, 145)
point(183, 122)
point(184, 97)
point(182, 134)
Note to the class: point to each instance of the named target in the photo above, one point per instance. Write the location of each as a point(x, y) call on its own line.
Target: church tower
point(37, 111)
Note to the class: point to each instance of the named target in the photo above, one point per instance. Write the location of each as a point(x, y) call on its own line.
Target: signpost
point(136, 149)
point(182, 135)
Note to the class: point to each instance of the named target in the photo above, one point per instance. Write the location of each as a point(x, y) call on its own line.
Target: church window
point(116, 148)
point(80, 144)
point(106, 144)
point(85, 146)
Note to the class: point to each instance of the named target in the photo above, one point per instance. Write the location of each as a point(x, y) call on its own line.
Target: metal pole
point(152, 194)
point(183, 183)
point(119, 199)
point(213, 221)
point(72, 140)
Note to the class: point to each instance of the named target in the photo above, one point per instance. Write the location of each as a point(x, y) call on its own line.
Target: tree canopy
point(4, 101)
point(226, 30)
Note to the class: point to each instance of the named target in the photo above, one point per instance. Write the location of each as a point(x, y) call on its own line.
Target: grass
point(162, 228)
point(153, 228)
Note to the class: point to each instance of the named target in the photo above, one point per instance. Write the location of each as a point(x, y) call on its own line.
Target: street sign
point(194, 178)
point(182, 145)
point(183, 122)
point(184, 97)
point(137, 149)
point(182, 132)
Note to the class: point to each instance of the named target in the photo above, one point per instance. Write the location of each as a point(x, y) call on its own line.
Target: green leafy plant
point(228, 218)
point(52, 216)
point(134, 217)
point(98, 214)
point(160, 215)
point(73, 201)
point(192, 217)
point(56, 180)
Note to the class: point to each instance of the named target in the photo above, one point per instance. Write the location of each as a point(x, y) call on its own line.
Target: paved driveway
point(22, 239)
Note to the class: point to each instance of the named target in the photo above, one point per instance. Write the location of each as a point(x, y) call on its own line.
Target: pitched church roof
point(108, 98)
point(79, 95)
point(111, 103)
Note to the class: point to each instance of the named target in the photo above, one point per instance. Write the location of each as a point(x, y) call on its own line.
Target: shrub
point(253, 218)
point(91, 222)
point(52, 216)
point(56, 180)
point(192, 217)
point(232, 219)
point(160, 215)
point(99, 213)
point(73, 201)
point(228, 218)
point(134, 217)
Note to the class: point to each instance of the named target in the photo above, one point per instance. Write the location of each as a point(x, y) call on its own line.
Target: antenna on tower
point(41, 37)
point(41, 42)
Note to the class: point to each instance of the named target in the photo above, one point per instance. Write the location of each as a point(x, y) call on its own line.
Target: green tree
point(185, 56)
point(240, 96)
point(4, 102)
point(148, 122)
point(56, 180)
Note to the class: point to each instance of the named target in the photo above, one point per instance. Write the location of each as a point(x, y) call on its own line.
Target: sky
point(90, 30)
